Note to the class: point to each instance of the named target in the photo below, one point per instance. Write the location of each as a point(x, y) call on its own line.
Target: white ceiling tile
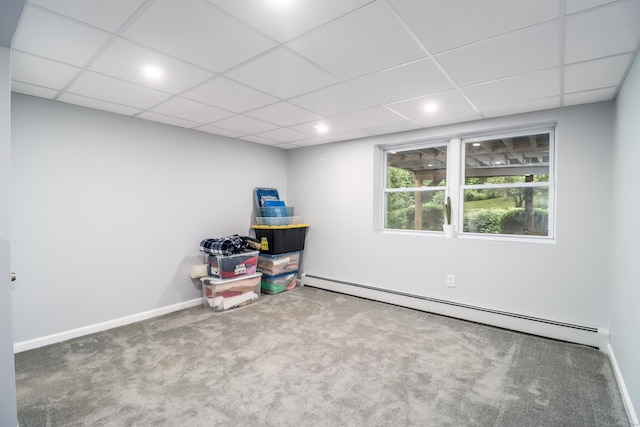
point(29, 89)
point(404, 82)
point(230, 95)
point(287, 20)
point(284, 114)
point(392, 128)
point(287, 146)
point(312, 141)
point(597, 95)
point(149, 115)
point(528, 87)
point(244, 125)
point(197, 32)
point(97, 104)
point(460, 117)
point(116, 91)
point(359, 66)
point(346, 136)
point(608, 30)
point(187, 109)
point(282, 73)
point(599, 73)
point(445, 103)
point(333, 100)
point(521, 107)
point(40, 71)
point(44, 34)
point(284, 135)
point(444, 25)
point(574, 6)
point(126, 60)
point(219, 131)
point(519, 52)
point(106, 14)
point(259, 139)
point(362, 119)
point(367, 40)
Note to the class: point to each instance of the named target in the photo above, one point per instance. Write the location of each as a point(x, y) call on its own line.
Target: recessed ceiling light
point(476, 144)
point(321, 128)
point(152, 72)
point(431, 107)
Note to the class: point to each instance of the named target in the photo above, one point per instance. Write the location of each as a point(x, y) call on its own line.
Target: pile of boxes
point(282, 236)
point(237, 280)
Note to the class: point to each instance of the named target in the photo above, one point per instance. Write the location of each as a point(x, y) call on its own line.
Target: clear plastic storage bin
point(275, 211)
point(222, 295)
point(278, 220)
point(273, 265)
point(280, 283)
point(226, 267)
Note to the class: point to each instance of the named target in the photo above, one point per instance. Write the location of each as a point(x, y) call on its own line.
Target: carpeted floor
point(309, 357)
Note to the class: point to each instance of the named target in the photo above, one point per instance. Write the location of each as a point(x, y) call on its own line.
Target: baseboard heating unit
point(580, 334)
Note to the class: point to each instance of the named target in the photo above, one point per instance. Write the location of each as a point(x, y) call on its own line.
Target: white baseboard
point(99, 327)
point(626, 399)
point(587, 335)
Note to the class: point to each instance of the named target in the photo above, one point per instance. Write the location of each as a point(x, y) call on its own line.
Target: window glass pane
point(402, 207)
point(424, 167)
point(508, 159)
point(519, 211)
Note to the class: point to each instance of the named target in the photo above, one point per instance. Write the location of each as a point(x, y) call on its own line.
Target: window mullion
point(453, 180)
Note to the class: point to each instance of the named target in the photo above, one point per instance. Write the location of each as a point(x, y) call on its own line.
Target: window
point(415, 187)
point(500, 185)
point(506, 184)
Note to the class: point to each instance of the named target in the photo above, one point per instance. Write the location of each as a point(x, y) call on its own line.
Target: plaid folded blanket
point(224, 246)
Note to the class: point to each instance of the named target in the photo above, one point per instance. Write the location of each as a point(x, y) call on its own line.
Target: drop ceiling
point(275, 71)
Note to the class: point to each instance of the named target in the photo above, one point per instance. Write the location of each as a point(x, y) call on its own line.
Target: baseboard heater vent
point(580, 334)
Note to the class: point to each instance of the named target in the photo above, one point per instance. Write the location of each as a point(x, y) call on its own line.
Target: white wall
point(8, 414)
point(108, 211)
point(625, 278)
point(332, 187)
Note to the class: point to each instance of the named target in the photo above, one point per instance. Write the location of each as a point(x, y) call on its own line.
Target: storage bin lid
point(217, 281)
point(279, 227)
point(280, 275)
point(282, 255)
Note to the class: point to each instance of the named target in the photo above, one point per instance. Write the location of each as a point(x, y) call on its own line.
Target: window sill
point(473, 236)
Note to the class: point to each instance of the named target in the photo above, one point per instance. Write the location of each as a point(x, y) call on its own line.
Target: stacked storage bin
point(233, 280)
point(279, 272)
point(282, 236)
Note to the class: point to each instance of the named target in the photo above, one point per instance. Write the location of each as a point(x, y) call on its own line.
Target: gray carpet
point(309, 357)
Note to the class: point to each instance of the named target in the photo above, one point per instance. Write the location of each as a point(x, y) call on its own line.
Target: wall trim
point(99, 327)
point(581, 334)
point(626, 399)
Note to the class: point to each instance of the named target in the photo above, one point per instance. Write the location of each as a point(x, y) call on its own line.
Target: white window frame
point(550, 184)
point(455, 179)
point(385, 190)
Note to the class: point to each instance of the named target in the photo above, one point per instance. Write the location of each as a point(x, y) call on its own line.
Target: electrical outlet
point(451, 280)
